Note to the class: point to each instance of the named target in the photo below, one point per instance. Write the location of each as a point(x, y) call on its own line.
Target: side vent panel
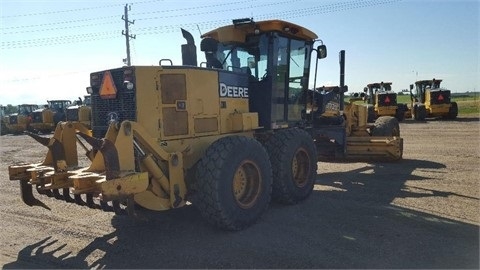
point(173, 87)
point(174, 122)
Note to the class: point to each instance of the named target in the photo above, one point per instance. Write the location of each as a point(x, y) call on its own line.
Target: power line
point(56, 23)
point(58, 11)
point(214, 11)
point(321, 9)
point(57, 28)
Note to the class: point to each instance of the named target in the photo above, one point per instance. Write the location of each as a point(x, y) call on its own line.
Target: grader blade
point(375, 148)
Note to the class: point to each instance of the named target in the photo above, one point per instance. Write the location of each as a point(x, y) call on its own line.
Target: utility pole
point(127, 35)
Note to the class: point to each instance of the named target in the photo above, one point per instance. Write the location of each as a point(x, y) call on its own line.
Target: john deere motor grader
point(45, 119)
point(226, 135)
point(429, 100)
point(3, 120)
point(17, 123)
point(383, 101)
point(81, 112)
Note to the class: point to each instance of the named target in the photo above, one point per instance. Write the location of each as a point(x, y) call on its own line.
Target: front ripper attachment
point(110, 188)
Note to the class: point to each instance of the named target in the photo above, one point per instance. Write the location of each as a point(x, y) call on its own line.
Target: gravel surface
point(421, 212)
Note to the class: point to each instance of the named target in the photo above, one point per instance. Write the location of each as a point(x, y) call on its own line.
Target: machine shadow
point(347, 224)
point(378, 182)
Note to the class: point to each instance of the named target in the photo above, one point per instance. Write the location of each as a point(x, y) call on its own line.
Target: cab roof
point(427, 81)
point(378, 84)
point(237, 32)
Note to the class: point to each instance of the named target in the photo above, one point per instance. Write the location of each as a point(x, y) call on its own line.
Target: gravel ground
point(422, 212)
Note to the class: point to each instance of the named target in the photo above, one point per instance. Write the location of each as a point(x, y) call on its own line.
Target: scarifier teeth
point(27, 195)
point(42, 140)
point(66, 195)
point(94, 142)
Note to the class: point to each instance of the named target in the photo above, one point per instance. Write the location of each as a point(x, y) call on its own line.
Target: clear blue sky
point(49, 48)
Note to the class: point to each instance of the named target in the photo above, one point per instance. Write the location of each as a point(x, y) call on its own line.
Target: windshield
point(59, 104)
point(235, 58)
point(26, 109)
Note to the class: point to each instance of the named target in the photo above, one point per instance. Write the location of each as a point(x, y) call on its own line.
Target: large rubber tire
point(453, 111)
point(400, 113)
point(234, 182)
point(370, 113)
point(294, 163)
point(386, 126)
point(420, 112)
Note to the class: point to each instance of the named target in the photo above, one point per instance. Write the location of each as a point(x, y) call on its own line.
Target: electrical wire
point(302, 12)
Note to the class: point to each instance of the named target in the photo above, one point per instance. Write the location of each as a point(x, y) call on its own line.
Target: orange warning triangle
point(440, 98)
point(387, 100)
point(108, 89)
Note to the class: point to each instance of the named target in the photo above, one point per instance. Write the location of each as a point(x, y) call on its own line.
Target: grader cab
point(227, 136)
point(429, 100)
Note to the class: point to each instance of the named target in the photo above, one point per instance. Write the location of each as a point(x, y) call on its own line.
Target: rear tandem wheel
point(294, 163)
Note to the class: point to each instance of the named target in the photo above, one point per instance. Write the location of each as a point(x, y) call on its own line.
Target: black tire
point(386, 126)
point(234, 182)
point(420, 112)
point(400, 113)
point(294, 163)
point(453, 111)
point(370, 114)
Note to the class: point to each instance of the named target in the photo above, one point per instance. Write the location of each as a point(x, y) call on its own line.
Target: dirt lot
point(422, 212)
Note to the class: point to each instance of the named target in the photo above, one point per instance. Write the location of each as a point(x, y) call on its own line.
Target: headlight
point(128, 85)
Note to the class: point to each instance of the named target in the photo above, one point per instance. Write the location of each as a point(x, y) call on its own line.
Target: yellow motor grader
point(17, 123)
point(81, 112)
point(45, 119)
point(227, 135)
point(429, 100)
point(383, 101)
point(3, 120)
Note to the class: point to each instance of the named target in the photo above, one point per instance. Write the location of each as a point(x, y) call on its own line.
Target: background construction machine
point(19, 122)
point(227, 135)
point(429, 100)
point(45, 119)
point(383, 101)
point(81, 112)
point(3, 119)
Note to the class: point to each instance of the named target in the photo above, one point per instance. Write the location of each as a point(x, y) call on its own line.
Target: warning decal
point(108, 89)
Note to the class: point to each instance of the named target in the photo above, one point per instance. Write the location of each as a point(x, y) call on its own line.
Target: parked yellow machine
point(383, 101)
point(81, 112)
point(17, 123)
point(227, 135)
point(3, 120)
point(45, 119)
point(429, 100)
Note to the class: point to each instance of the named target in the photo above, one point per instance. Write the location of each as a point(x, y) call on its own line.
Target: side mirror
point(321, 51)
point(365, 89)
point(411, 87)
